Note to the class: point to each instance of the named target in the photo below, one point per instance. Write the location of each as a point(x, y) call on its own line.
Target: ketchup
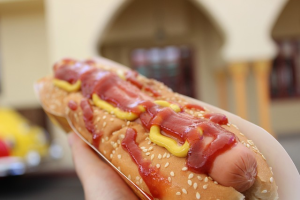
point(88, 114)
point(196, 107)
point(156, 183)
point(131, 77)
point(72, 105)
point(182, 127)
point(217, 118)
point(70, 71)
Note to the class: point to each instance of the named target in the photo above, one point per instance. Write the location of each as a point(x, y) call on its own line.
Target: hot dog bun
point(239, 167)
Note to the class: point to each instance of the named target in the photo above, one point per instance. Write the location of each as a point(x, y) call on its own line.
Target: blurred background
point(242, 56)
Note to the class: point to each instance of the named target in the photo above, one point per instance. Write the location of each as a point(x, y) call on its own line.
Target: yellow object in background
point(21, 138)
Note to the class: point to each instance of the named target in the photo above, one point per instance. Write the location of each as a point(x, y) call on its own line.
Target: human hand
point(99, 180)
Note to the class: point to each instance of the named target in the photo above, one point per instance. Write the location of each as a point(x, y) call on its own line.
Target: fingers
point(99, 180)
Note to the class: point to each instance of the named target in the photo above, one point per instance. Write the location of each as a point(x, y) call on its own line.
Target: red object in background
point(4, 150)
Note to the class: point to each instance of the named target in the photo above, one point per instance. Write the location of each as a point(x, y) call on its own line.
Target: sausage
point(235, 168)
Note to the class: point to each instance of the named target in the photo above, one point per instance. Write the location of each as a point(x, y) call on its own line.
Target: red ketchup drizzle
point(118, 92)
point(70, 71)
point(217, 118)
point(72, 105)
point(196, 107)
point(156, 183)
point(182, 127)
point(131, 77)
point(88, 115)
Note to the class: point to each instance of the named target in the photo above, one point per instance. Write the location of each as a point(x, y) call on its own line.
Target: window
point(285, 73)
point(172, 65)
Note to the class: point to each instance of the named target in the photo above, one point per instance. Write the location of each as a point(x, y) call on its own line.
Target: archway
point(169, 26)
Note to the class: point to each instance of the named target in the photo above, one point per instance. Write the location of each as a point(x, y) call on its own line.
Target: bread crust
point(55, 101)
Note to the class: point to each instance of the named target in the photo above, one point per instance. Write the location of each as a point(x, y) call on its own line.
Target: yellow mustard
point(116, 111)
point(67, 86)
point(174, 107)
point(168, 143)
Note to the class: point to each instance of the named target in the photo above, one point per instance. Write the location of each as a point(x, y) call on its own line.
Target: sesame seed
point(119, 156)
point(158, 165)
point(199, 178)
point(97, 120)
point(167, 164)
point(169, 179)
point(241, 134)
point(119, 168)
point(150, 148)
point(190, 182)
point(184, 168)
point(271, 170)
point(250, 142)
point(271, 180)
point(205, 179)
point(104, 116)
point(104, 124)
point(102, 140)
point(129, 176)
point(152, 156)
point(228, 125)
point(191, 176)
point(172, 173)
point(168, 155)
point(145, 150)
point(195, 186)
point(115, 145)
point(111, 155)
point(113, 151)
point(178, 193)
point(210, 178)
point(128, 123)
point(112, 112)
point(143, 147)
point(198, 195)
point(137, 182)
point(111, 119)
point(149, 142)
point(165, 154)
point(264, 191)
point(184, 191)
point(141, 180)
point(148, 153)
point(248, 145)
point(104, 152)
point(215, 182)
point(137, 178)
point(159, 156)
point(204, 187)
point(118, 141)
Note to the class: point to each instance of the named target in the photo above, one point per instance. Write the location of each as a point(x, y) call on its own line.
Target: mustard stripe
point(67, 86)
point(168, 143)
point(113, 110)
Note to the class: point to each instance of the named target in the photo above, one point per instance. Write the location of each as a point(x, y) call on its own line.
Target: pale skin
point(99, 180)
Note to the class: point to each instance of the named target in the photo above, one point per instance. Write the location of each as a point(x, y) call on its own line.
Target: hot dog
point(166, 146)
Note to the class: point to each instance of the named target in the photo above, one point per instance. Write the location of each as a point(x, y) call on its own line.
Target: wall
point(23, 51)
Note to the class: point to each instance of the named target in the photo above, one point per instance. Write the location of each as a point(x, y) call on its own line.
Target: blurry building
point(243, 56)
